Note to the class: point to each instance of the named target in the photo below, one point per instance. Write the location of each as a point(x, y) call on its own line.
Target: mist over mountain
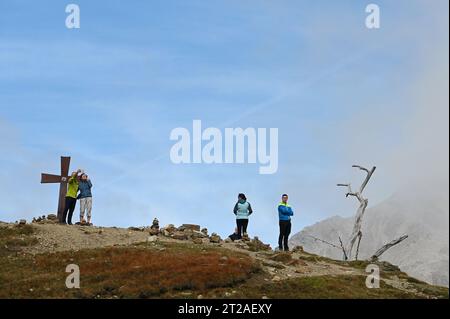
point(423, 216)
point(415, 171)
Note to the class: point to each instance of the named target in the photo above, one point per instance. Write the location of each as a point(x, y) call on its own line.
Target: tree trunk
point(358, 224)
point(357, 247)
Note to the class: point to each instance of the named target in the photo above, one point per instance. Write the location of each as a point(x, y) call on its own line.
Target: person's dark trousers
point(69, 209)
point(285, 231)
point(242, 225)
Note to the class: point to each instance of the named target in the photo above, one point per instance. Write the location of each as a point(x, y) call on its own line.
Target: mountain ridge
point(423, 255)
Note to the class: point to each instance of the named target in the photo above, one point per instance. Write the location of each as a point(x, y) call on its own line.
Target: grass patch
point(423, 287)
point(256, 245)
point(283, 257)
point(324, 287)
point(12, 239)
point(123, 273)
point(305, 256)
point(16, 230)
point(435, 291)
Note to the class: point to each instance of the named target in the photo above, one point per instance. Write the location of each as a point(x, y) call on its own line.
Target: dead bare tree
point(383, 249)
point(356, 232)
point(363, 202)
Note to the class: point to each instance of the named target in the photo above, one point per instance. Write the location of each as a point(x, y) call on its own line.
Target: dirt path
point(54, 238)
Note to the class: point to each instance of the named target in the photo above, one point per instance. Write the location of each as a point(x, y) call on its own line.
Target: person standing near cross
point(85, 198)
point(71, 198)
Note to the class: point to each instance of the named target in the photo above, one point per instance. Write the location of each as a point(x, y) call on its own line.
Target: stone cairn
point(187, 232)
point(190, 232)
point(154, 229)
point(53, 219)
point(197, 235)
point(49, 219)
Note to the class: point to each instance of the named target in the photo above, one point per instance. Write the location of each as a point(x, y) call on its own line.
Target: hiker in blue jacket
point(242, 210)
point(85, 198)
point(284, 212)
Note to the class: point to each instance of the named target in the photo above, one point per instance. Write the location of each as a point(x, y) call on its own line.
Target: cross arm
point(50, 178)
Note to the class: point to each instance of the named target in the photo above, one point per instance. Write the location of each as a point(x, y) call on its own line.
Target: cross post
point(62, 180)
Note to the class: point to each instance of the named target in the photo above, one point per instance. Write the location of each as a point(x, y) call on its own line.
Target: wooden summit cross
point(62, 180)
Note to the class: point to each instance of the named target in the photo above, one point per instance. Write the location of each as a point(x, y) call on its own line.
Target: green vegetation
point(12, 239)
point(324, 287)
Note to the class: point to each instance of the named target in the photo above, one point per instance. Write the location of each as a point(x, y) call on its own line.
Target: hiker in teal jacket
point(285, 213)
point(242, 210)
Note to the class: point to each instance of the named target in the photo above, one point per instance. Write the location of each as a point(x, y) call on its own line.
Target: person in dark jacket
point(242, 210)
point(285, 213)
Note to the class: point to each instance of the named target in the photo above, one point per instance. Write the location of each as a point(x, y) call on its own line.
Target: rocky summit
point(179, 262)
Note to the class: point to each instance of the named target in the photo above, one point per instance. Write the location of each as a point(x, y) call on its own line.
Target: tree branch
point(343, 249)
point(383, 249)
point(349, 188)
point(324, 241)
point(369, 175)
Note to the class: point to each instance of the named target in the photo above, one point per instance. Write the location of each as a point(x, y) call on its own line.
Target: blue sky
point(109, 94)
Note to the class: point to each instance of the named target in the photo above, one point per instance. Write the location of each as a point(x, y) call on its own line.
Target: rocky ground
point(53, 237)
point(45, 236)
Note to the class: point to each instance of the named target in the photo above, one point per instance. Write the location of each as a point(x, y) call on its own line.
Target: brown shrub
point(134, 272)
